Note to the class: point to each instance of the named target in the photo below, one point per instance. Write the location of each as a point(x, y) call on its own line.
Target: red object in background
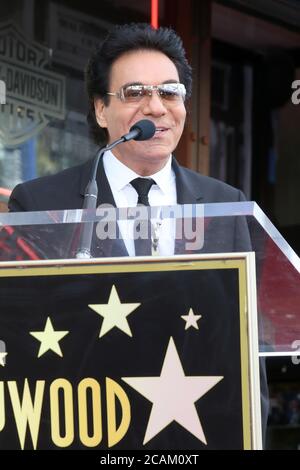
point(5, 192)
point(154, 13)
point(279, 298)
point(13, 247)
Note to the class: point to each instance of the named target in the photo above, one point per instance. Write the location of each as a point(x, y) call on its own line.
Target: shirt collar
point(119, 175)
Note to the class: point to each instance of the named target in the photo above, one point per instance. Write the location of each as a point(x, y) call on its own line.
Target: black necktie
point(142, 245)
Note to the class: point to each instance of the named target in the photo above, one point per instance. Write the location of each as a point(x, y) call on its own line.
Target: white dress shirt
point(163, 193)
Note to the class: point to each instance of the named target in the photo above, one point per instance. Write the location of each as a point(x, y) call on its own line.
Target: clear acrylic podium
point(65, 318)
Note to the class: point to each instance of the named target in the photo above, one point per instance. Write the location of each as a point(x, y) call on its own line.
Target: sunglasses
point(168, 92)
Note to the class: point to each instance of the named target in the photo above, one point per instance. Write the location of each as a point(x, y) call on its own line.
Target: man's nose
point(154, 105)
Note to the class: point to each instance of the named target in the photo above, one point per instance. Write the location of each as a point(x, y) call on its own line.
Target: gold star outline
point(191, 320)
point(173, 396)
point(115, 313)
point(49, 338)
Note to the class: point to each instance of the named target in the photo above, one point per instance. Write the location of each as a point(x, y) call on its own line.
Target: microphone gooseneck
point(141, 130)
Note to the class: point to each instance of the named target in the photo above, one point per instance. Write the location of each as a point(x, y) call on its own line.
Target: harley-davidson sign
point(34, 95)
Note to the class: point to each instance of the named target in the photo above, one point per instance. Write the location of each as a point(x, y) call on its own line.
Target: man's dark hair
point(122, 39)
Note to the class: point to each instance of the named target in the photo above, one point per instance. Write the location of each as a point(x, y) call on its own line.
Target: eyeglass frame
point(150, 88)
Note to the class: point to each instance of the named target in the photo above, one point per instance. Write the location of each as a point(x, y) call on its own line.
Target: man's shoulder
point(56, 192)
point(208, 181)
point(212, 189)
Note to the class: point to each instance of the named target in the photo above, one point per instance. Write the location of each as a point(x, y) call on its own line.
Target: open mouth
point(160, 130)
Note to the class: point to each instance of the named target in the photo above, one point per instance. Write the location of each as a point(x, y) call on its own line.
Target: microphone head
point(146, 129)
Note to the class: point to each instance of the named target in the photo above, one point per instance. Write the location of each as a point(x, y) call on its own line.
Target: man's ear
point(100, 112)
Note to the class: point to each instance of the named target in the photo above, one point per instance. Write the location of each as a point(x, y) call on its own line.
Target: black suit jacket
point(66, 189)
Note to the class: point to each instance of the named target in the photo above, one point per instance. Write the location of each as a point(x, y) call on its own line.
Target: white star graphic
point(49, 339)
point(2, 356)
point(114, 313)
point(173, 395)
point(191, 319)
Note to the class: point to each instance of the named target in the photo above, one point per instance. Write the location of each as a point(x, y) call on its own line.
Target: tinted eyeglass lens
point(133, 93)
point(168, 92)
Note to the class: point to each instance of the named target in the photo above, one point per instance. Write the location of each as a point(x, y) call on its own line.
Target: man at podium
point(137, 73)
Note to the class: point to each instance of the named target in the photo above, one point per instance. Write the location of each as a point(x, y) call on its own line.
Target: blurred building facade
point(242, 125)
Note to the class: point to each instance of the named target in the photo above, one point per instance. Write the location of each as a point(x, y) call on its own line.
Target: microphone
point(141, 130)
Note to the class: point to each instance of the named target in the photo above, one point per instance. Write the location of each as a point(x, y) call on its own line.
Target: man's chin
point(157, 157)
point(151, 163)
point(157, 151)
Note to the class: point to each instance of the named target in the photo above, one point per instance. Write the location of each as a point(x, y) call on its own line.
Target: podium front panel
point(197, 229)
point(129, 354)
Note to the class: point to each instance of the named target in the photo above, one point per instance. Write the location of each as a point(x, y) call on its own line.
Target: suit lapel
point(106, 247)
point(188, 192)
point(105, 195)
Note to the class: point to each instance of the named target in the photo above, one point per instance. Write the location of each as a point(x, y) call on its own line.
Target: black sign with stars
point(125, 356)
